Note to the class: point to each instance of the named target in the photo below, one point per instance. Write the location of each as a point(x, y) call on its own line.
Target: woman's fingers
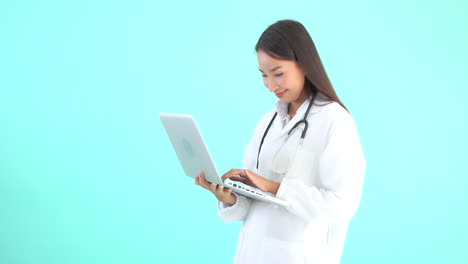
point(227, 190)
point(197, 178)
point(249, 174)
point(201, 181)
point(221, 192)
point(233, 172)
point(217, 189)
point(239, 179)
point(198, 181)
point(213, 187)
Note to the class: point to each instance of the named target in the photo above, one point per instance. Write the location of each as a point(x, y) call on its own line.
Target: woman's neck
point(294, 106)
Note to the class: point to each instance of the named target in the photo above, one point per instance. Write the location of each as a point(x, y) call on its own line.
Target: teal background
point(87, 173)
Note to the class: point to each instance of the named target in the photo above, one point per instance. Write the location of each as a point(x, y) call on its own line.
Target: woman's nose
point(271, 85)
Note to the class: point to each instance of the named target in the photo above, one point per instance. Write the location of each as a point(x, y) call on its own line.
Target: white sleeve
point(341, 172)
point(239, 210)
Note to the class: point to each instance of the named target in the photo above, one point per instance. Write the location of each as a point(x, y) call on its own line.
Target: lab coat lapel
point(282, 110)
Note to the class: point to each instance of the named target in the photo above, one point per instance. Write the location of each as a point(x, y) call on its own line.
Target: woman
point(316, 165)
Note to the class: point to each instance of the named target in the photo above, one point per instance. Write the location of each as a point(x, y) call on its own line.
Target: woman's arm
point(341, 172)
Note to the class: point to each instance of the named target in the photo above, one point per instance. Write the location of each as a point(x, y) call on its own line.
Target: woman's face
point(285, 78)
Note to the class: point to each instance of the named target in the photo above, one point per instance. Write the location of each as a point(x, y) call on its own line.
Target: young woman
point(305, 151)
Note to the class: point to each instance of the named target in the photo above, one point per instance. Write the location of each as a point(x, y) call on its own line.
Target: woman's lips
point(281, 94)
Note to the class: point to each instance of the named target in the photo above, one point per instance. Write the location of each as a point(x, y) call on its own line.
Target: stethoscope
point(302, 121)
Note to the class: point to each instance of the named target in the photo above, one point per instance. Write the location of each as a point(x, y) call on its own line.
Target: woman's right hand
point(222, 193)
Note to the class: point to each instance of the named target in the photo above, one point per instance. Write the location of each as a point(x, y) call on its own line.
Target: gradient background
point(88, 175)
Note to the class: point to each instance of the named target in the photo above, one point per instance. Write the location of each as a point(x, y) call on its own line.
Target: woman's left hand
point(250, 178)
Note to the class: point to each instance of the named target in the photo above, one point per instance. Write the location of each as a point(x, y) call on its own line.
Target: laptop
point(193, 155)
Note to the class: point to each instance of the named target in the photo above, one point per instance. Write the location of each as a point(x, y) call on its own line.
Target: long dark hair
point(290, 40)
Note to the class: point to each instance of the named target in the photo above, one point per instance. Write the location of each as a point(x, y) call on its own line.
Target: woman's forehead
point(268, 63)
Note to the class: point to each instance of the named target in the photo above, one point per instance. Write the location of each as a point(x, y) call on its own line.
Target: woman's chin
point(285, 99)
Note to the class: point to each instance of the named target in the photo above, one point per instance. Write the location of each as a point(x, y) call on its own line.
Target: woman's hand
point(222, 193)
point(252, 179)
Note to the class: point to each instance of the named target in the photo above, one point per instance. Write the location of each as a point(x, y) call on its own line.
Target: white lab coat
point(323, 185)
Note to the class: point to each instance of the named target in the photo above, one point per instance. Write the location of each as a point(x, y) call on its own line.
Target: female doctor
point(305, 151)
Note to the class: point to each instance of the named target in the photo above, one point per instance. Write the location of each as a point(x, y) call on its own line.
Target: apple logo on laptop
point(188, 147)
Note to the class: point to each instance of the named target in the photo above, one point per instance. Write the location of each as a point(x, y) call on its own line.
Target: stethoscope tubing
point(304, 131)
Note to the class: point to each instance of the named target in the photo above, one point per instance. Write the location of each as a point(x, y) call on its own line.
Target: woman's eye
point(277, 75)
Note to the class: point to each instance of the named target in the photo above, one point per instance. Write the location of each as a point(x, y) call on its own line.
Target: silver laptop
point(193, 155)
